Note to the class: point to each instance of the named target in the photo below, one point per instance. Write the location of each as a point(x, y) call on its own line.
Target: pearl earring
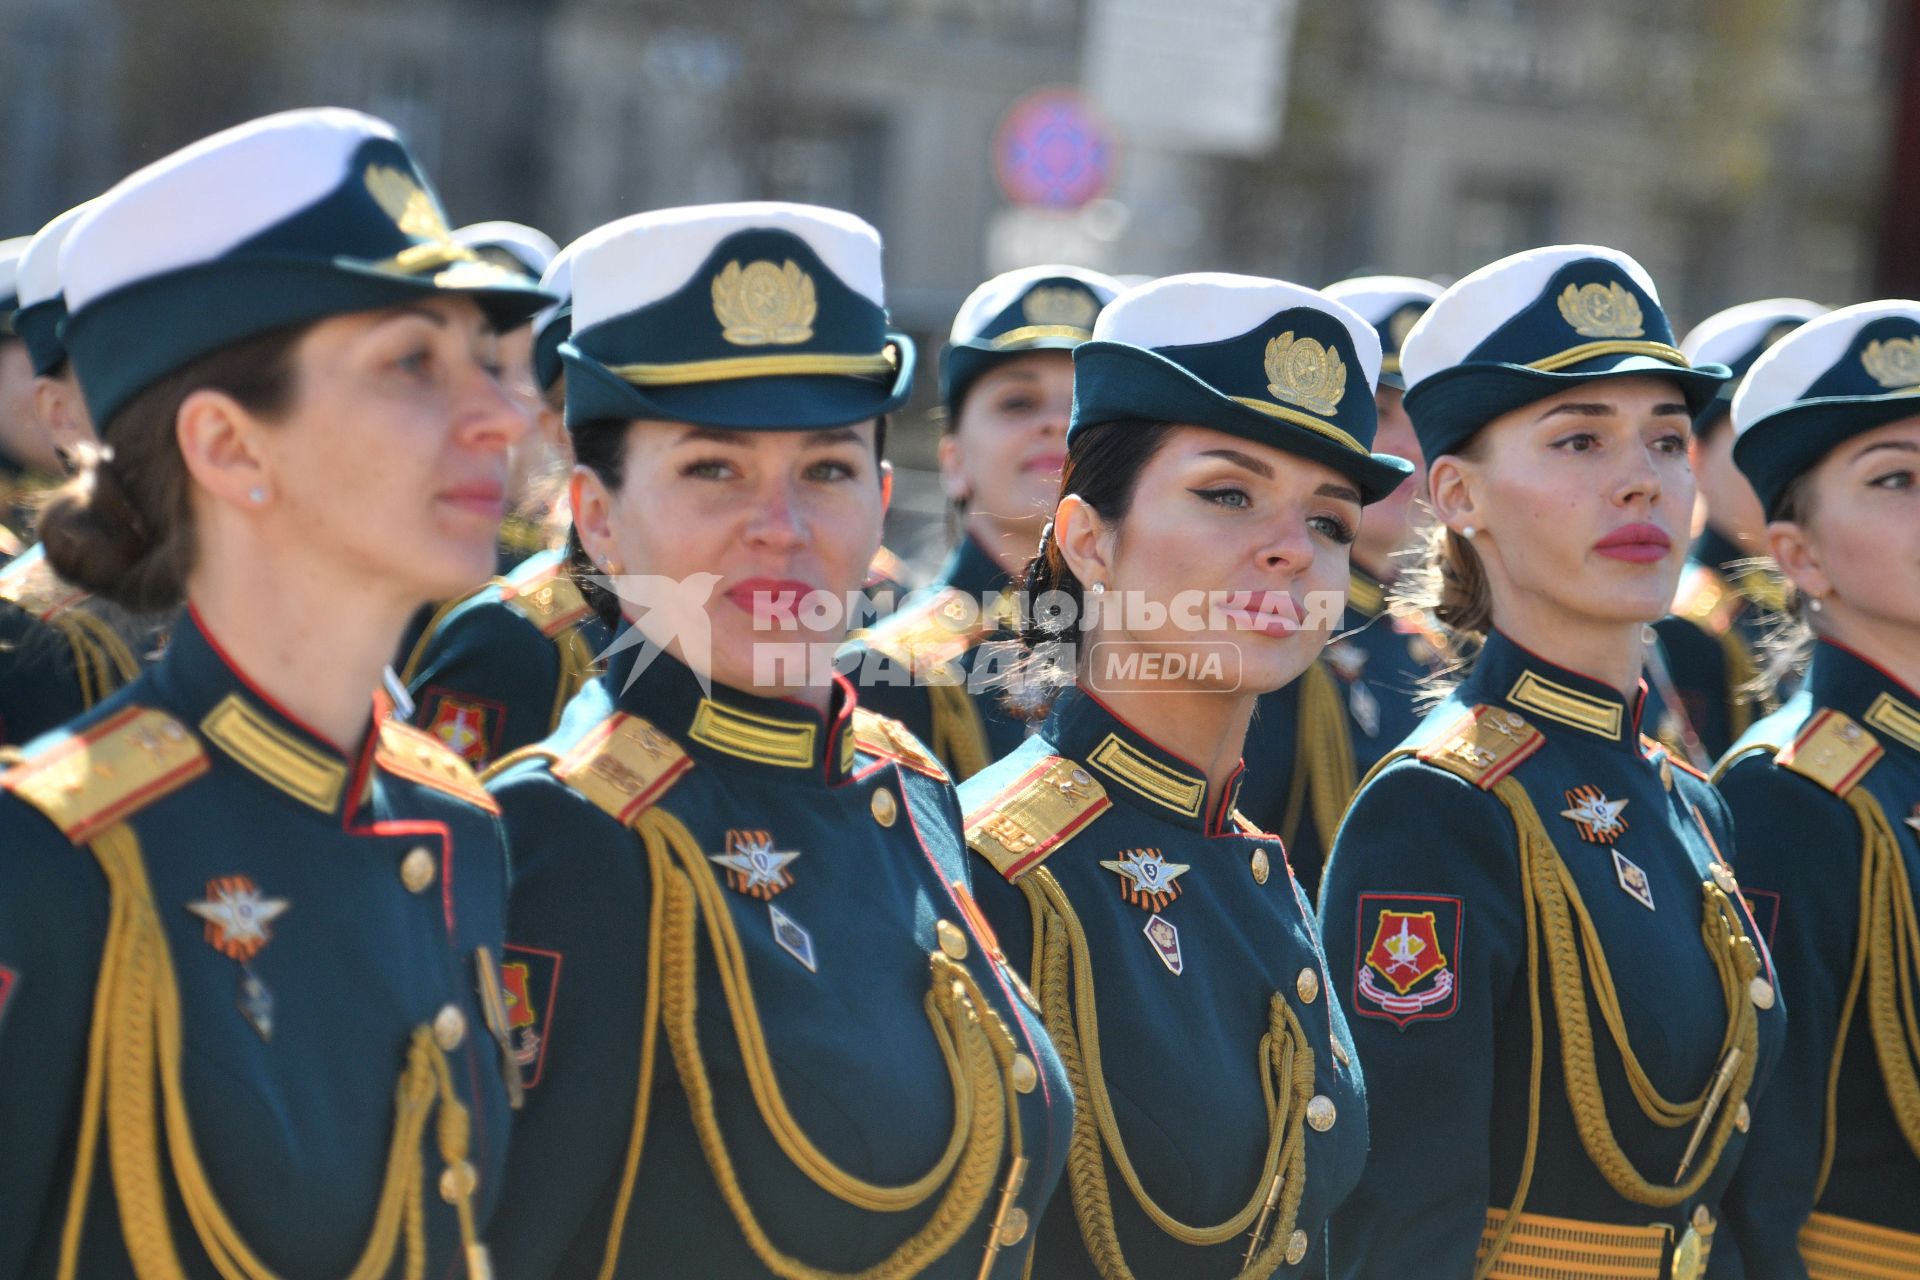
point(1467, 531)
point(1098, 588)
point(1814, 605)
point(256, 495)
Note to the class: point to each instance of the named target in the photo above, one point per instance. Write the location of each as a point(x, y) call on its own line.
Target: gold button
point(1025, 1074)
point(1308, 985)
point(952, 941)
point(884, 807)
point(1723, 876)
point(458, 1181)
point(1262, 868)
point(1014, 1229)
point(449, 1028)
point(1744, 1120)
point(417, 869)
point(1762, 992)
point(1296, 1248)
point(1321, 1113)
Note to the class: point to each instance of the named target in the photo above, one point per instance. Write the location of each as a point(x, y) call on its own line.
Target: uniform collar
point(1854, 685)
point(1134, 768)
point(970, 569)
point(729, 728)
point(200, 683)
point(1366, 594)
point(1551, 697)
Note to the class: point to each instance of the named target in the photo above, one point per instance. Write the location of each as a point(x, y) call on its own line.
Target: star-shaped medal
point(753, 865)
point(1146, 878)
point(1597, 817)
point(237, 916)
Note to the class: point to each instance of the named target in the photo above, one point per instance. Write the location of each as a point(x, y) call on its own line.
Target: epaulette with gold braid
point(86, 782)
point(1483, 746)
point(1041, 810)
point(934, 633)
point(547, 597)
point(883, 736)
point(1708, 600)
point(30, 584)
point(410, 753)
point(623, 765)
point(1833, 751)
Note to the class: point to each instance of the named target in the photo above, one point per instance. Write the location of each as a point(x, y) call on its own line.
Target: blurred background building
point(1739, 148)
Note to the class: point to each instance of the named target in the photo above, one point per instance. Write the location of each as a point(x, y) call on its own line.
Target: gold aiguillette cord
point(1016, 1176)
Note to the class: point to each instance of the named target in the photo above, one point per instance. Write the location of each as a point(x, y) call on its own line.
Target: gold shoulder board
point(1483, 746)
point(1042, 810)
point(928, 637)
point(31, 584)
point(85, 782)
point(1833, 751)
point(549, 598)
point(410, 753)
point(882, 736)
point(623, 765)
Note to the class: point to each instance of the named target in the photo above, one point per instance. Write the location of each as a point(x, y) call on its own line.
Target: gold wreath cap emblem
point(759, 304)
point(1894, 363)
point(1602, 311)
point(1060, 304)
point(1300, 371)
point(406, 202)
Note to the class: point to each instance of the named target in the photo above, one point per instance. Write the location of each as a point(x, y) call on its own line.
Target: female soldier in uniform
point(764, 1031)
point(1559, 998)
point(1006, 381)
point(1826, 795)
point(249, 928)
point(1216, 469)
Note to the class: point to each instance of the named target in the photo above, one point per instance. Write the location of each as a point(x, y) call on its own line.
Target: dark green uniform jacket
point(297, 939)
point(57, 657)
point(1826, 794)
point(1711, 638)
point(1215, 1078)
point(756, 923)
point(495, 669)
point(930, 666)
point(1533, 883)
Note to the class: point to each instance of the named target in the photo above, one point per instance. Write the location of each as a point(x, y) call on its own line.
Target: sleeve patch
point(1407, 964)
point(469, 726)
point(530, 978)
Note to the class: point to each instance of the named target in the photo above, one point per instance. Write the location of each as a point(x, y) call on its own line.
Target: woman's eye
point(1333, 528)
point(1579, 442)
point(833, 470)
point(1675, 443)
point(1227, 497)
point(1895, 480)
point(707, 469)
point(1019, 404)
point(415, 362)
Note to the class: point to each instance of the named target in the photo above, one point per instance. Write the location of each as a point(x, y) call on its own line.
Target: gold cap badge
point(761, 305)
point(1602, 311)
point(1894, 363)
point(1060, 304)
point(1301, 371)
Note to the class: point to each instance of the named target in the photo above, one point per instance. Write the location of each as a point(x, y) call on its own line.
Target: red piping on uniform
point(1855, 653)
point(243, 678)
point(1000, 979)
point(1583, 675)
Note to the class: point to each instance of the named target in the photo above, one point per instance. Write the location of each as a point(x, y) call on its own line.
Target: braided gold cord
point(1890, 937)
point(1323, 770)
point(1064, 987)
point(576, 672)
point(137, 1037)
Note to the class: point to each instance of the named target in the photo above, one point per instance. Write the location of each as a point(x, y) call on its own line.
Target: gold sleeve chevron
point(1559, 969)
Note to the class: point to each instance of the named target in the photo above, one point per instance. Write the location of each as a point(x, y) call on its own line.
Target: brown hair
point(1787, 635)
point(122, 528)
point(1103, 468)
point(1444, 591)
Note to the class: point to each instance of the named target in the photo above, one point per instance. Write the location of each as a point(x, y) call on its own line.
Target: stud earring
point(1098, 588)
point(1814, 605)
point(1467, 531)
point(256, 495)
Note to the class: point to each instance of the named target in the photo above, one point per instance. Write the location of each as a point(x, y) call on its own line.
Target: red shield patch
point(469, 726)
point(1408, 962)
point(530, 980)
